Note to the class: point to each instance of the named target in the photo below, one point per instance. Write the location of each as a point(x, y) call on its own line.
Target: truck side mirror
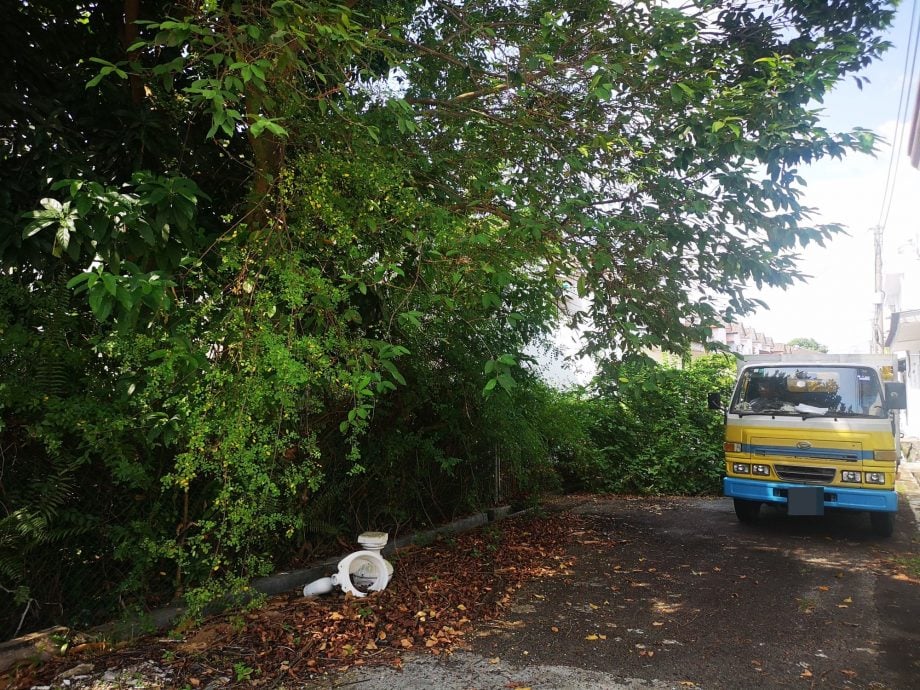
point(714, 401)
point(895, 395)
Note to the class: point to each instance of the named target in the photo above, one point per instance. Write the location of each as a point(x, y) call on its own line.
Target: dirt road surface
point(675, 593)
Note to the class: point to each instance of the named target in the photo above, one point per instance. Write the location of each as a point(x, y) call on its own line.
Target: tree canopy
point(808, 344)
point(261, 255)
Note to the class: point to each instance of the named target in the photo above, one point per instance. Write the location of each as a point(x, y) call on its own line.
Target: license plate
point(806, 500)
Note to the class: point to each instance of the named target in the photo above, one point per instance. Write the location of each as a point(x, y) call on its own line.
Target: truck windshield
point(834, 391)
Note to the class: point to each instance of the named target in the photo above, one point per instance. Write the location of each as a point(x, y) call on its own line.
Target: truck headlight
point(741, 468)
point(851, 476)
point(875, 477)
point(762, 470)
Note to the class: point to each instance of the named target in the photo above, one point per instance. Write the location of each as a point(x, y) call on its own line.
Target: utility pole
point(878, 320)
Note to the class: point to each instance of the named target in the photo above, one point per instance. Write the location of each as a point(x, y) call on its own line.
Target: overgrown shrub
point(139, 466)
point(652, 432)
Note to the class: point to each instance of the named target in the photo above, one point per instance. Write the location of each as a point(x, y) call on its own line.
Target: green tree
point(808, 344)
point(290, 251)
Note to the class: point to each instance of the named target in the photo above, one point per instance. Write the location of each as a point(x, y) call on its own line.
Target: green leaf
point(275, 128)
point(77, 280)
point(506, 381)
point(110, 283)
point(101, 304)
point(490, 299)
point(393, 371)
point(35, 227)
point(61, 239)
point(412, 318)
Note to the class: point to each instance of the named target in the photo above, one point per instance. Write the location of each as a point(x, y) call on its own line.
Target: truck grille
point(810, 475)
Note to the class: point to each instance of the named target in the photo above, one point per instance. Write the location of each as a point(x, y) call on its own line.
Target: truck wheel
point(882, 523)
point(747, 511)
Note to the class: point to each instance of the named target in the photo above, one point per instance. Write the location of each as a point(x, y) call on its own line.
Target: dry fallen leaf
point(806, 674)
point(554, 629)
point(435, 584)
point(591, 637)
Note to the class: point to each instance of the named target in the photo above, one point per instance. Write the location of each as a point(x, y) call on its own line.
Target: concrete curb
point(41, 645)
point(295, 579)
point(37, 646)
point(908, 485)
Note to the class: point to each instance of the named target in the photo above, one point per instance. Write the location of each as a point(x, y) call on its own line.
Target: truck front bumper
point(875, 500)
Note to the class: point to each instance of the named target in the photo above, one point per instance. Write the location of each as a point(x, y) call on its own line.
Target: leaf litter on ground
point(437, 593)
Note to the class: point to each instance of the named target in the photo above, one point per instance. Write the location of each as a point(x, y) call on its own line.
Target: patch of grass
point(807, 605)
point(911, 565)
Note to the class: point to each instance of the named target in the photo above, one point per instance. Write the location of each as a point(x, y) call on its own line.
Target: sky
point(835, 306)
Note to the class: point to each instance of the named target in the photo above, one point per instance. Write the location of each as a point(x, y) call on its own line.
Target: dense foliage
point(269, 269)
point(652, 431)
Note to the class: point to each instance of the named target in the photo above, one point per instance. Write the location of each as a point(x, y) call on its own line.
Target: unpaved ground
point(676, 593)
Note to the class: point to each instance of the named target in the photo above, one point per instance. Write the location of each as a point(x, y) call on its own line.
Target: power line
point(907, 82)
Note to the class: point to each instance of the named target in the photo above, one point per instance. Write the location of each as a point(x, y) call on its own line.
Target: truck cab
point(814, 432)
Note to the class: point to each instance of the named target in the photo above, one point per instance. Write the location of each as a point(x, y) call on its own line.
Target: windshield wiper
point(768, 413)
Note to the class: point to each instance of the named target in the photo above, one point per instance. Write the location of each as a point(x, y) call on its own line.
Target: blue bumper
point(834, 496)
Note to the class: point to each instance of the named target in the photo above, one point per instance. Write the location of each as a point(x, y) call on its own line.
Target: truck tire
point(747, 511)
point(882, 523)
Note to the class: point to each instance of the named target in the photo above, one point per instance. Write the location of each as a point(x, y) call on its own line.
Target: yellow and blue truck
point(810, 432)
